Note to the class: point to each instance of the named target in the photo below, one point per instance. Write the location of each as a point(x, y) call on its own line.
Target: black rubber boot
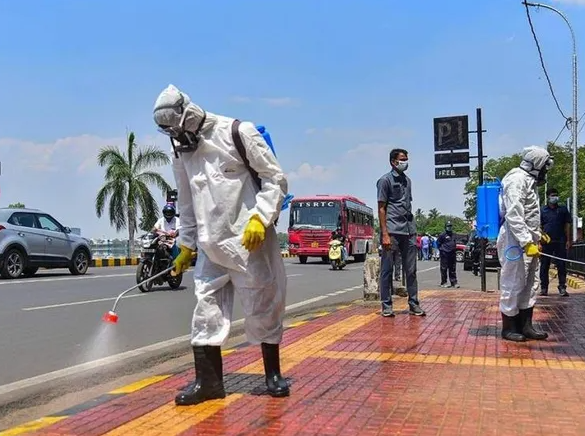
point(510, 330)
point(276, 384)
point(208, 383)
point(528, 329)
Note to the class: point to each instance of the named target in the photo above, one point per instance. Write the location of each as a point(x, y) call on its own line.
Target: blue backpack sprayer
point(111, 316)
point(489, 221)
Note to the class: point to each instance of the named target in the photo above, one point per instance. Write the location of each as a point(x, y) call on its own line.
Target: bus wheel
point(303, 259)
point(359, 257)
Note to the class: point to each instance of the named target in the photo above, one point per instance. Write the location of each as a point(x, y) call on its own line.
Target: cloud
point(270, 101)
point(61, 177)
point(318, 173)
point(280, 101)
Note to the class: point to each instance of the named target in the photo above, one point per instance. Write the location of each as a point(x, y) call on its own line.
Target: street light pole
point(575, 118)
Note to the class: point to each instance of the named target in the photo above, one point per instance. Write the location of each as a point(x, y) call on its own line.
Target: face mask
point(401, 165)
point(553, 200)
point(183, 140)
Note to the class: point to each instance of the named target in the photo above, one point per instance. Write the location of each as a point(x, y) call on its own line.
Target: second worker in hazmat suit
point(518, 244)
point(229, 220)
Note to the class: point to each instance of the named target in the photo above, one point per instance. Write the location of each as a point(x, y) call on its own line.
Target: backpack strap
point(242, 150)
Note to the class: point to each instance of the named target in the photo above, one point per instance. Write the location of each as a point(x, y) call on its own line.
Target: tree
point(434, 214)
point(16, 206)
point(128, 177)
point(147, 222)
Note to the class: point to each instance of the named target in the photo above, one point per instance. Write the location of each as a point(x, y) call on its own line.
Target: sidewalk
point(353, 372)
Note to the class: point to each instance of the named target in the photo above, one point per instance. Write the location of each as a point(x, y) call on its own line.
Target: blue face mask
point(553, 200)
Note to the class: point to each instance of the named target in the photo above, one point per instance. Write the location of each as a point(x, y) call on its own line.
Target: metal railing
point(576, 252)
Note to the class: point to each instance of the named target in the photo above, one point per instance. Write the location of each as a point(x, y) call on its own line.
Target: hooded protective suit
point(217, 197)
point(520, 209)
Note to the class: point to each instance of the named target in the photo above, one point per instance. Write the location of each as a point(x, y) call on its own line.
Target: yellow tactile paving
point(170, 420)
point(298, 323)
point(139, 384)
point(300, 350)
point(451, 360)
point(32, 426)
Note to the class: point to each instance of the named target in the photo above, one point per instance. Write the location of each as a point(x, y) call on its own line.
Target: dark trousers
point(448, 263)
point(557, 249)
point(475, 255)
point(409, 253)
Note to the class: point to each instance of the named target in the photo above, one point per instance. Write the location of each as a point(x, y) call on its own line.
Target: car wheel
point(459, 256)
point(14, 262)
point(79, 262)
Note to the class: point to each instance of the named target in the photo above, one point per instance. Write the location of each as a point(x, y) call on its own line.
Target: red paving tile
point(376, 380)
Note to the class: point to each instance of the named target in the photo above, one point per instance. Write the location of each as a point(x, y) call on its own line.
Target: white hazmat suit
point(520, 209)
point(217, 197)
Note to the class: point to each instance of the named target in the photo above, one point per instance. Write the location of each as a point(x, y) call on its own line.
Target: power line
point(550, 87)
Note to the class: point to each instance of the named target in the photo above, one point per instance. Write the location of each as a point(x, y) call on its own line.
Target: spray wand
point(111, 316)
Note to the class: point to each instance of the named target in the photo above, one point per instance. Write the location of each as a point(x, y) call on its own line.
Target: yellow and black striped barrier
point(128, 261)
point(114, 261)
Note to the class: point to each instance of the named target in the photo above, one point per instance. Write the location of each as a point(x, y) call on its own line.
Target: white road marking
point(75, 303)
point(64, 279)
point(116, 358)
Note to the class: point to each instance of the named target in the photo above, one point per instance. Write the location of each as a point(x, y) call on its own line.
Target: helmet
point(169, 212)
point(448, 225)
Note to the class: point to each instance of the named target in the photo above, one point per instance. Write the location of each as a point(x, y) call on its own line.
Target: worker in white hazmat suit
point(520, 209)
point(228, 220)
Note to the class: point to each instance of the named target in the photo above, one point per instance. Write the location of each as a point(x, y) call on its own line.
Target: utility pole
point(575, 117)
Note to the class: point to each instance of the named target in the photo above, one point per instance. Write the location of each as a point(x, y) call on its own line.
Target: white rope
point(560, 258)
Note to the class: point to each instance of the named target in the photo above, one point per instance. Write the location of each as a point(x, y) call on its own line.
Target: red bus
point(312, 219)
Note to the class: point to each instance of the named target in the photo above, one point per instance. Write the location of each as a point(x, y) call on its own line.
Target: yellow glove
point(254, 234)
point(544, 238)
point(531, 250)
point(183, 260)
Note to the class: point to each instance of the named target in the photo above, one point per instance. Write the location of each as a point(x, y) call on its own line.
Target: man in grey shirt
point(397, 228)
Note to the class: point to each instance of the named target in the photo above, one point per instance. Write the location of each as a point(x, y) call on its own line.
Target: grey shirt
point(395, 190)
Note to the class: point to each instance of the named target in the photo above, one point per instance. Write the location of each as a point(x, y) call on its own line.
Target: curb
point(128, 261)
point(54, 418)
point(572, 281)
point(117, 261)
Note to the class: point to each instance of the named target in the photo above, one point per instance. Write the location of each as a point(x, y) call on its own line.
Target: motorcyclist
point(338, 234)
point(520, 208)
point(169, 225)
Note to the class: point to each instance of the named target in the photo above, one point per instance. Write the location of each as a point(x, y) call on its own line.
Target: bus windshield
point(315, 215)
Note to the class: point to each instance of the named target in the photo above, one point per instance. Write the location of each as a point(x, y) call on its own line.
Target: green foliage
point(282, 239)
point(147, 222)
point(433, 223)
point(559, 176)
point(128, 179)
point(16, 206)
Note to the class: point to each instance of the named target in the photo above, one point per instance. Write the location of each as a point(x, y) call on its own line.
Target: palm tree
point(127, 178)
point(419, 214)
point(434, 214)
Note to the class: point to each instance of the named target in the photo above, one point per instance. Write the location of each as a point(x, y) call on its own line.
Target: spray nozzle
point(110, 317)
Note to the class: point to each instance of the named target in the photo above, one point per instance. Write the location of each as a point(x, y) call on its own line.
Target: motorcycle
point(157, 254)
point(336, 254)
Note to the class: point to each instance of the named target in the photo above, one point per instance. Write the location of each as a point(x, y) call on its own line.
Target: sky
point(337, 84)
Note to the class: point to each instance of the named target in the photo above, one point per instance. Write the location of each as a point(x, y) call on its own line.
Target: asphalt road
point(53, 320)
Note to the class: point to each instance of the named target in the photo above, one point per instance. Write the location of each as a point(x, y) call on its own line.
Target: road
point(53, 320)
